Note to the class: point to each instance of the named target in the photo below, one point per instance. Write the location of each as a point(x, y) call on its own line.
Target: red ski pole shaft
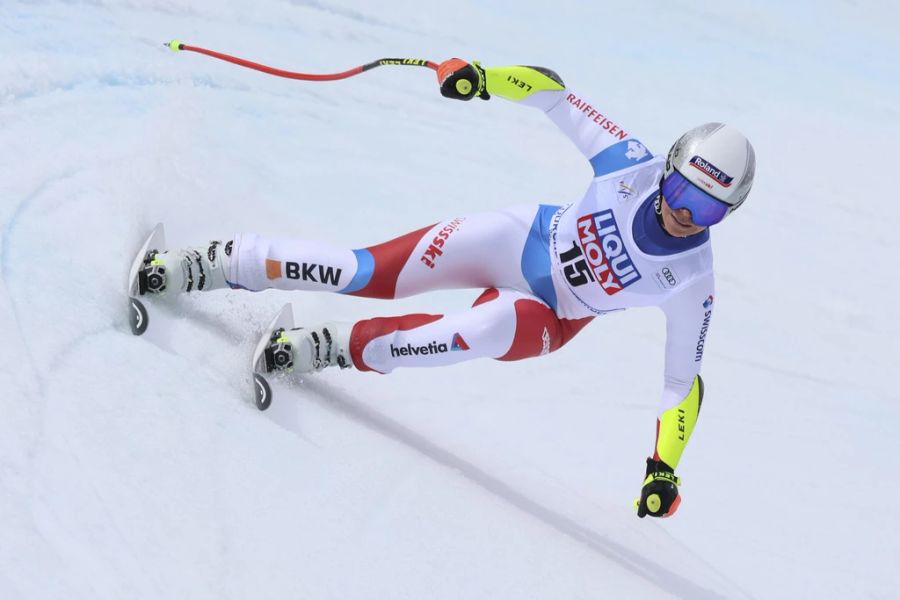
point(176, 45)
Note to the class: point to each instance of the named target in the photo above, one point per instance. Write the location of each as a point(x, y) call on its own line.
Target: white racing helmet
point(709, 171)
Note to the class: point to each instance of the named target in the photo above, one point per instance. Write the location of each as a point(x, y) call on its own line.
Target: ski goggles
point(679, 192)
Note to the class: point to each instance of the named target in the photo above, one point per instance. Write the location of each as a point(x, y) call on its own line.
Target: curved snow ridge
point(8, 276)
point(16, 216)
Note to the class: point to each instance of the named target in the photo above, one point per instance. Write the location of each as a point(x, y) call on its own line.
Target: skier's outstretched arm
point(688, 316)
point(606, 144)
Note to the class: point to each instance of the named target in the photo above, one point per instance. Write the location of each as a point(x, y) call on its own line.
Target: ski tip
point(138, 318)
point(263, 392)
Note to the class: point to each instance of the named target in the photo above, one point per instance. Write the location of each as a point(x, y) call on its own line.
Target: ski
point(263, 355)
point(137, 312)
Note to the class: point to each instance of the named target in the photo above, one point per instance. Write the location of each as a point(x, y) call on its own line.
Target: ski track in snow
point(138, 467)
point(668, 582)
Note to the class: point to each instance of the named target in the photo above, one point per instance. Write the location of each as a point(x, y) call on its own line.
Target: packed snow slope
point(138, 468)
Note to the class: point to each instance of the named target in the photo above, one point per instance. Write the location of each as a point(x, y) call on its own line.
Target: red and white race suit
point(544, 271)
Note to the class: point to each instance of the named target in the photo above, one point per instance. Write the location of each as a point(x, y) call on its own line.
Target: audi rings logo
point(670, 277)
point(666, 278)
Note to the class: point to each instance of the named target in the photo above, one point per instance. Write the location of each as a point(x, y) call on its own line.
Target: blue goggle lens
point(679, 192)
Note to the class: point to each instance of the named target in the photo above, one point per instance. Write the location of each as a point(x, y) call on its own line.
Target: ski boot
point(309, 349)
point(194, 269)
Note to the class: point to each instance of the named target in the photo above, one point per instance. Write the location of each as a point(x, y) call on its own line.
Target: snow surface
point(137, 468)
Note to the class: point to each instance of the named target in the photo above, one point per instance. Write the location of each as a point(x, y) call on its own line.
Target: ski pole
point(176, 45)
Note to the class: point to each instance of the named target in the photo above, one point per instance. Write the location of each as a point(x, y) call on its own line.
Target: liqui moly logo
point(710, 169)
point(606, 255)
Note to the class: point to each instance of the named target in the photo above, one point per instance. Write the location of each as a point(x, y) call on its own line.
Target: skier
point(638, 237)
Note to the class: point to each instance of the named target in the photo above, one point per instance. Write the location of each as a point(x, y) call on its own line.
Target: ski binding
point(267, 355)
point(137, 313)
